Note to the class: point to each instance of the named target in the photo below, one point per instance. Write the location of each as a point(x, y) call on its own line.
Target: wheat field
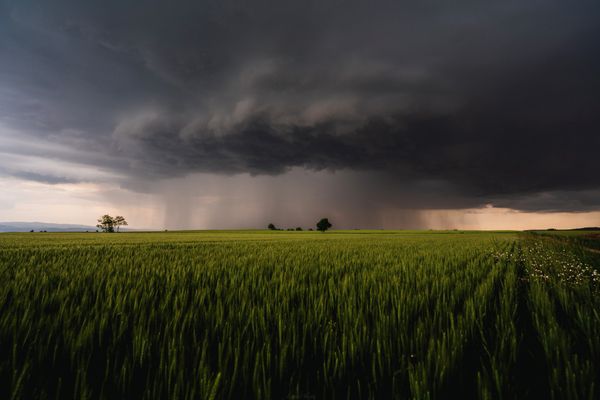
point(302, 315)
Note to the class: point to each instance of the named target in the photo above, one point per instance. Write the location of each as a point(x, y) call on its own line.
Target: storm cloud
point(431, 105)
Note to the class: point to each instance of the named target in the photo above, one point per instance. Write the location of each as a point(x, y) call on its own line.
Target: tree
point(106, 223)
point(272, 227)
point(323, 224)
point(120, 221)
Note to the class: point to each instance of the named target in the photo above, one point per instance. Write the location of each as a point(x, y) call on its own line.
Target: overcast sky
point(222, 114)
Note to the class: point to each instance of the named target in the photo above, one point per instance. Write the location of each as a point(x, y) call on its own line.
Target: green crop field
point(299, 315)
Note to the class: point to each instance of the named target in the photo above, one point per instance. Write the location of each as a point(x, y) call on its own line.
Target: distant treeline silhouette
point(322, 226)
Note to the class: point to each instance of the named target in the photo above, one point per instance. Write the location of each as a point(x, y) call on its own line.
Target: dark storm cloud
point(498, 100)
point(49, 179)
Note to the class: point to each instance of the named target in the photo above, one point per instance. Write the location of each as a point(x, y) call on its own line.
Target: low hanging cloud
point(494, 103)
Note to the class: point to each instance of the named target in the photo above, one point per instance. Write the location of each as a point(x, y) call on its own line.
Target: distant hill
point(588, 228)
point(43, 226)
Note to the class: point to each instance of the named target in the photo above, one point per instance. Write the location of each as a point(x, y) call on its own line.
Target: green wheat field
point(299, 315)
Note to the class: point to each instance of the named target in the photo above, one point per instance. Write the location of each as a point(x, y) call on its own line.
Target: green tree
point(106, 223)
point(120, 221)
point(272, 227)
point(323, 224)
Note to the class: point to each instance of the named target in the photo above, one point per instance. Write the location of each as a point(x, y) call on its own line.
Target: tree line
point(106, 223)
point(110, 224)
point(322, 226)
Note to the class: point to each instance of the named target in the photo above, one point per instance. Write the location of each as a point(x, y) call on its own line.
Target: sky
point(234, 114)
